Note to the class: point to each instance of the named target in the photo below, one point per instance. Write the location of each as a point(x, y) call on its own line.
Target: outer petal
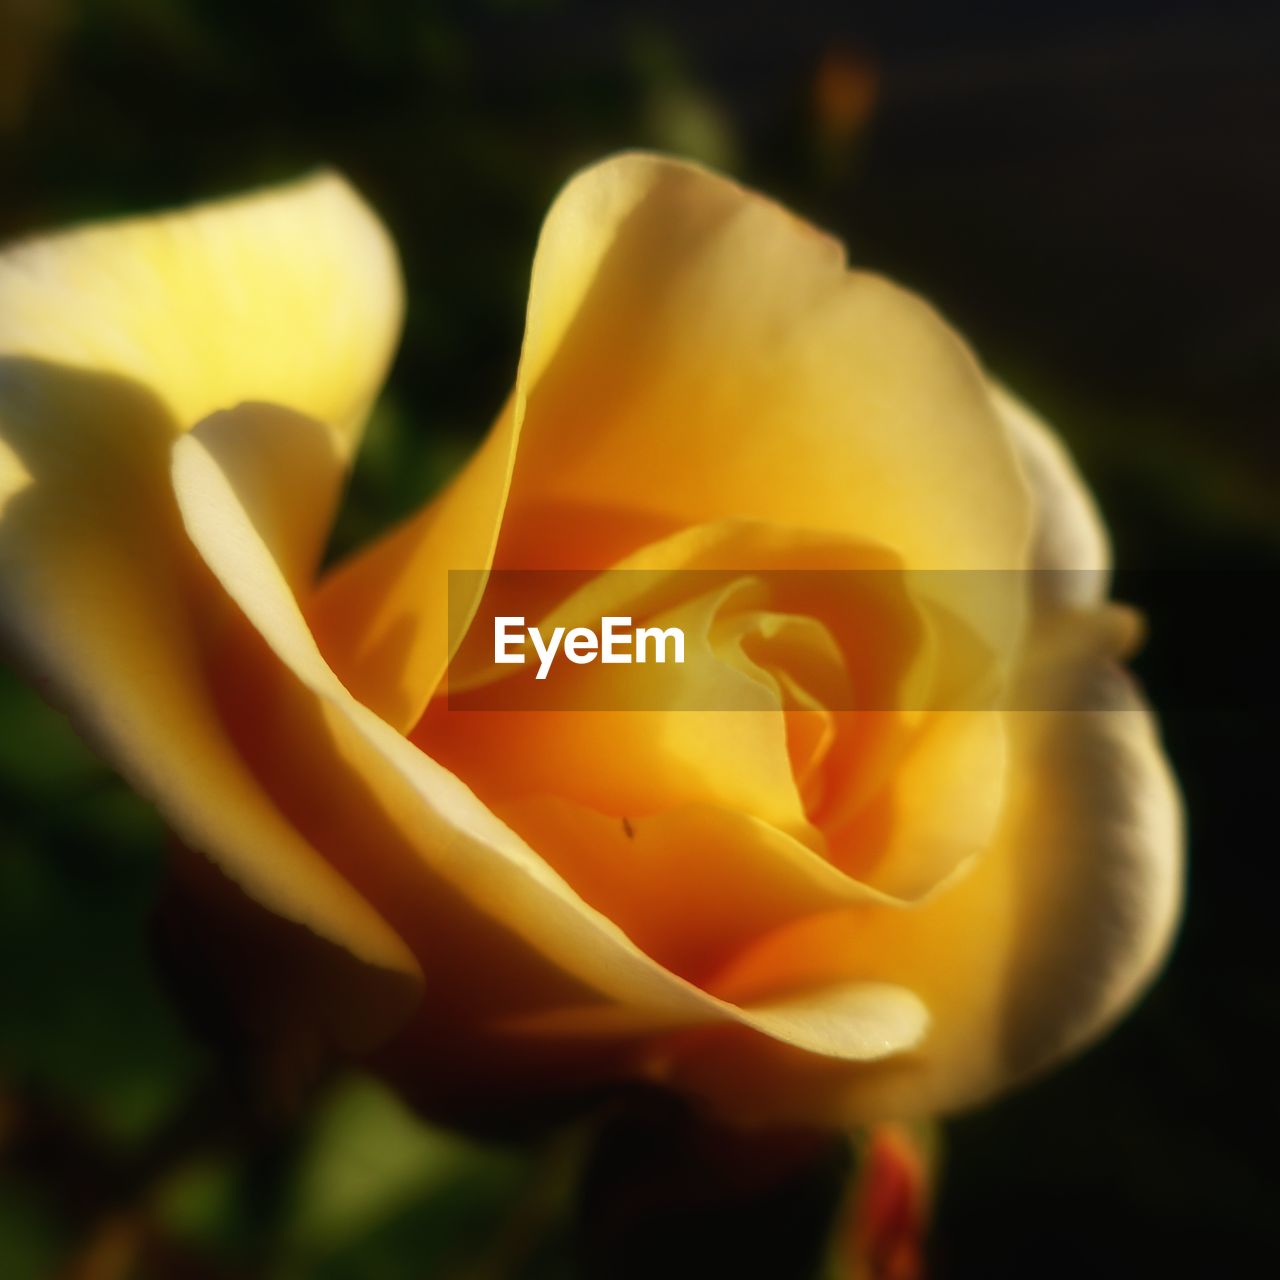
point(102, 599)
point(112, 339)
point(290, 296)
point(1071, 555)
point(697, 349)
point(1039, 949)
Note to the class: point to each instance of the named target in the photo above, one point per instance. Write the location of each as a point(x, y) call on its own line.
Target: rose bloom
point(799, 911)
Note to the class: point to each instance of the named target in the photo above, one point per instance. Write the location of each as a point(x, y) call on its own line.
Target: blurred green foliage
point(1088, 191)
point(78, 861)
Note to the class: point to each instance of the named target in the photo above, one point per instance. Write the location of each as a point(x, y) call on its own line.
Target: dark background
point(1090, 191)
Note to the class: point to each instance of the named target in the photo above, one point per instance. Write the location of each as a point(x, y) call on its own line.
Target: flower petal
point(696, 347)
point(692, 886)
point(1071, 555)
point(103, 599)
point(291, 295)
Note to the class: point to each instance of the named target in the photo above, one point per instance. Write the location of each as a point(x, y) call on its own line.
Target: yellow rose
point(800, 911)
